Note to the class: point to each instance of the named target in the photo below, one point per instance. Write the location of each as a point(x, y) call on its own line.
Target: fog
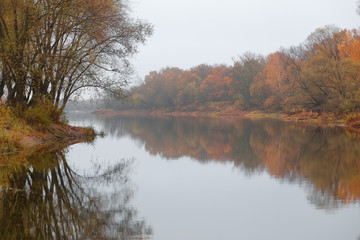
point(191, 32)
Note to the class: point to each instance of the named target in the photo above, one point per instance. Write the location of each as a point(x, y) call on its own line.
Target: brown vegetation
point(18, 133)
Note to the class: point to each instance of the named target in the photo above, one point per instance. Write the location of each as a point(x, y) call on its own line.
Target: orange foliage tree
point(350, 46)
point(276, 82)
point(215, 86)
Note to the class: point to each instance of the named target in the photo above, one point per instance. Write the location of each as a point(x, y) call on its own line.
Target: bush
point(352, 118)
point(39, 116)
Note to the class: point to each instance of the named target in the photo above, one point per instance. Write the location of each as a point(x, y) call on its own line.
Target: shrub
point(41, 115)
point(38, 116)
point(352, 118)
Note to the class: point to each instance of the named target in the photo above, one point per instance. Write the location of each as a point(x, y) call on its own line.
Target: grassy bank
point(24, 129)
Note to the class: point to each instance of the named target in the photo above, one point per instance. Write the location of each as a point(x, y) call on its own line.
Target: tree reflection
point(326, 159)
point(41, 197)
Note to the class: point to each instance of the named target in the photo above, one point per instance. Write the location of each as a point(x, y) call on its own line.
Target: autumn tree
point(323, 70)
point(216, 85)
point(187, 88)
point(242, 76)
point(276, 78)
point(274, 82)
point(349, 51)
point(294, 58)
point(51, 50)
point(202, 70)
point(350, 46)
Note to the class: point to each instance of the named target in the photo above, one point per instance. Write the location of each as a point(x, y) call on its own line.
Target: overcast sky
point(191, 32)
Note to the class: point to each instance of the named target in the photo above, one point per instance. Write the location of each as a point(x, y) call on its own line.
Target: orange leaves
point(276, 74)
point(185, 89)
point(216, 85)
point(277, 83)
point(350, 47)
point(323, 74)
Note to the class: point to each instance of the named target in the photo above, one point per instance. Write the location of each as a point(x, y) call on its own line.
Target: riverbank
point(301, 116)
point(17, 134)
point(161, 113)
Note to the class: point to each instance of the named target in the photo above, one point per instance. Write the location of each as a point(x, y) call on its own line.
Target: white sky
point(191, 32)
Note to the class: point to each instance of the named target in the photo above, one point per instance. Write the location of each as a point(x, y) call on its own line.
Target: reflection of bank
point(41, 197)
point(326, 159)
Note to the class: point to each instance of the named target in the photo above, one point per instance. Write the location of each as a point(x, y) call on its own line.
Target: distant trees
point(49, 50)
point(322, 74)
point(174, 88)
point(216, 85)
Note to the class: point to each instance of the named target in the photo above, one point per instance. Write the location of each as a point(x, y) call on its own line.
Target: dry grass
point(11, 130)
point(17, 133)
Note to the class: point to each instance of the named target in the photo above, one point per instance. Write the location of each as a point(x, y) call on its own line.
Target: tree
point(202, 70)
point(215, 86)
point(350, 58)
point(50, 50)
point(350, 46)
point(277, 77)
point(187, 89)
point(293, 59)
point(259, 90)
point(323, 71)
point(242, 76)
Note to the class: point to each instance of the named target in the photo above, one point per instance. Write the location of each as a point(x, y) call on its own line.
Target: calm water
point(187, 179)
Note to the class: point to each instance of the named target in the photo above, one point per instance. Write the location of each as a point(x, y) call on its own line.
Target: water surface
point(189, 178)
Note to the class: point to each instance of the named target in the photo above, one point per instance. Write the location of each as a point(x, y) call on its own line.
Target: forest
point(322, 74)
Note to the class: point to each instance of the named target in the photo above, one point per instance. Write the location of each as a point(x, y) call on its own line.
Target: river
point(188, 178)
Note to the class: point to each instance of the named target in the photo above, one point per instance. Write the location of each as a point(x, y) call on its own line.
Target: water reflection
point(325, 159)
point(41, 197)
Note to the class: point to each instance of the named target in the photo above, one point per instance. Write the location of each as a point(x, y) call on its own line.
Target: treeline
point(321, 74)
